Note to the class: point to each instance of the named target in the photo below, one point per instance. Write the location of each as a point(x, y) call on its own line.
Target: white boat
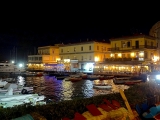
point(102, 86)
point(10, 100)
point(2, 83)
point(16, 88)
point(11, 68)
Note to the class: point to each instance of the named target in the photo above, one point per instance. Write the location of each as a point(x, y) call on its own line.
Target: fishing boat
point(6, 67)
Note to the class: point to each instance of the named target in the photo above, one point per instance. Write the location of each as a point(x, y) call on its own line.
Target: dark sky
point(26, 27)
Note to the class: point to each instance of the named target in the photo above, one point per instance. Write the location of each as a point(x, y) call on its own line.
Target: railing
point(121, 59)
point(144, 46)
point(132, 47)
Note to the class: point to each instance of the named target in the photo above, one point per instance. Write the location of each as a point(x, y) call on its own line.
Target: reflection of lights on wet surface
point(66, 90)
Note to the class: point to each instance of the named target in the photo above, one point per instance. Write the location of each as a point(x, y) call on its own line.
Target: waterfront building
point(45, 59)
point(130, 54)
point(82, 56)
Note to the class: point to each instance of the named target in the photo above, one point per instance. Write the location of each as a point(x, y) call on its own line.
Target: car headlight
point(158, 77)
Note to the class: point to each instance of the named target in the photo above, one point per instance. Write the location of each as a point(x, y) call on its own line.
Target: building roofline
point(133, 36)
point(48, 47)
point(79, 43)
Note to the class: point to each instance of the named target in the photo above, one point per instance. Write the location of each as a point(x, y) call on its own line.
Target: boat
point(11, 100)
point(75, 79)
point(60, 77)
point(11, 68)
point(106, 86)
point(101, 84)
point(2, 83)
point(83, 75)
point(92, 77)
point(132, 82)
point(16, 88)
point(126, 81)
point(121, 80)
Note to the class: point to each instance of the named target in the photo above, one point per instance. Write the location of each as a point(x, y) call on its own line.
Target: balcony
point(121, 59)
point(132, 48)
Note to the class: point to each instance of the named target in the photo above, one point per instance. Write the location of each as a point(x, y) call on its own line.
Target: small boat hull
point(102, 87)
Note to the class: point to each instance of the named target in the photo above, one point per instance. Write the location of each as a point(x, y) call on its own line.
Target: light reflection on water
point(58, 90)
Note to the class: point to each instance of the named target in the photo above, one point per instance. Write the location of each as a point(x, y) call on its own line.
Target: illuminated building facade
point(82, 56)
point(46, 58)
point(130, 54)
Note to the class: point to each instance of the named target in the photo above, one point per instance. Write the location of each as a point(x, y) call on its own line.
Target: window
point(152, 55)
point(97, 47)
point(89, 47)
point(74, 49)
point(104, 48)
point(68, 50)
point(90, 57)
point(40, 58)
point(81, 48)
point(145, 42)
point(61, 50)
point(123, 44)
point(151, 44)
point(128, 44)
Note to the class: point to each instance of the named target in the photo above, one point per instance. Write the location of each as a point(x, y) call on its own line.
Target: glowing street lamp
point(20, 65)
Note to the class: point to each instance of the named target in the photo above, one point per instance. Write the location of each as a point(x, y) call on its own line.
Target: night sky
point(24, 28)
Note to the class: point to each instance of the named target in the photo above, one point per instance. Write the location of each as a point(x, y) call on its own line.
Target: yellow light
point(96, 58)
point(66, 60)
point(57, 59)
point(119, 54)
point(112, 55)
point(141, 54)
point(132, 54)
point(155, 58)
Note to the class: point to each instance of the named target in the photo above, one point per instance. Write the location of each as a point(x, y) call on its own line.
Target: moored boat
point(126, 81)
point(102, 86)
point(93, 77)
point(16, 88)
point(6, 67)
point(75, 79)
